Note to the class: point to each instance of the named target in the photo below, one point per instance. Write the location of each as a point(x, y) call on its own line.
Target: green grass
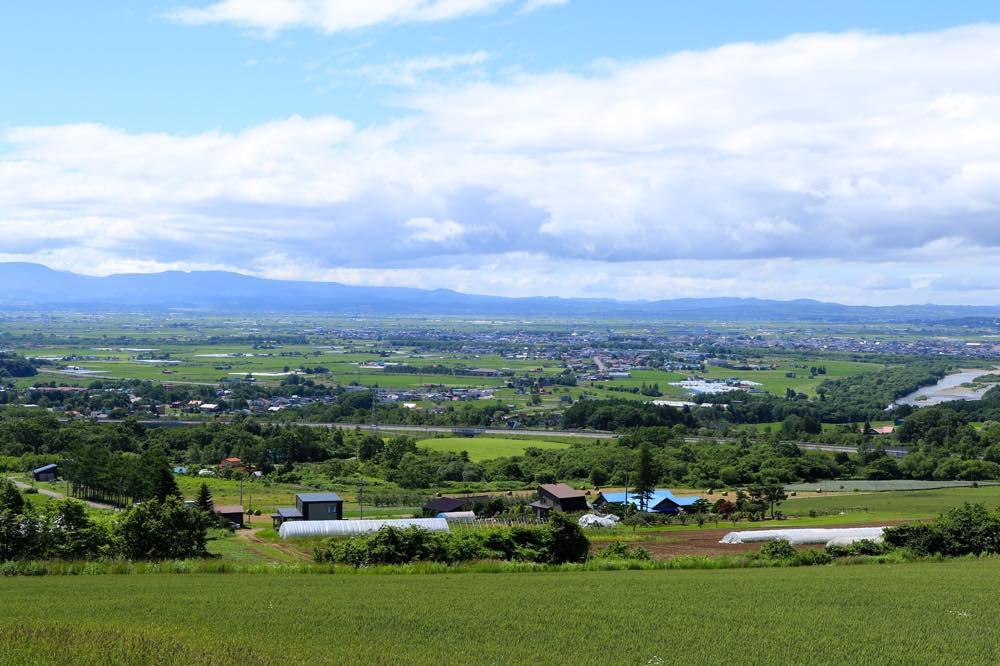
point(928, 613)
point(896, 505)
point(484, 448)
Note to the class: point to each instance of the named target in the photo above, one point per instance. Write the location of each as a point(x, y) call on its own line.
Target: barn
point(560, 498)
point(311, 506)
point(45, 473)
point(231, 513)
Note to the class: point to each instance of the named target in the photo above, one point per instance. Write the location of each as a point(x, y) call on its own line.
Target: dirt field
point(705, 541)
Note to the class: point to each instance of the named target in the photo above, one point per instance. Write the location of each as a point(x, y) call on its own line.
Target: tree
point(774, 495)
point(10, 497)
point(645, 478)
point(161, 530)
point(204, 501)
point(569, 543)
point(166, 485)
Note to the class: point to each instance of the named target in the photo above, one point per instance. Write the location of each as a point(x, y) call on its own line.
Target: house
point(231, 513)
point(311, 506)
point(44, 473)
point(451, 504)
point(232, 463)
point(560, 498)
point(879, 430)
point(661, 501)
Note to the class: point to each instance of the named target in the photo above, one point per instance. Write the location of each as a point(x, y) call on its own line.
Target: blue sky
point(630, 149)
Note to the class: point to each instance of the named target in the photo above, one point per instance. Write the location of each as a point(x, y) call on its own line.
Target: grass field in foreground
point(483, 448)
point(923, 613)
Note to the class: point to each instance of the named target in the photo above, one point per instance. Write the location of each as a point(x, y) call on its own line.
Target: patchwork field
point(927, 613)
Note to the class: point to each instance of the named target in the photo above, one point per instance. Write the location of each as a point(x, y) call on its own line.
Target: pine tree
point(645, 482)
point(166, 486)
point(204, 501)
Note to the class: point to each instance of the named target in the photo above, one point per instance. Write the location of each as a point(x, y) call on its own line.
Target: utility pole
point(361, 499)
point(626, 494)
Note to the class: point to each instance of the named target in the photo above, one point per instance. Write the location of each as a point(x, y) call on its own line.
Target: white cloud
point(427, 230)
point(329, 16)
point(534, 5)
point(410, 72)
point(855, 164)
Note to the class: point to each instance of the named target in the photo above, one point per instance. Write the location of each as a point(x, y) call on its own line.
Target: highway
point(896, 452)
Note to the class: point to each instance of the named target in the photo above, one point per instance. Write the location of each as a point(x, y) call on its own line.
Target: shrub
point(561, 541)
point(616, 550)
point(779, 549)
point(963, 530)
point(156, 530)
point(864, 547)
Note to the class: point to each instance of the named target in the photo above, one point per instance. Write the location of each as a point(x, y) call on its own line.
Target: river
point(947, 389)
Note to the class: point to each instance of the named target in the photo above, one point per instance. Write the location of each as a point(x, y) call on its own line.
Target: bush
point(616, 550)
point(864, 547)
point(779, 549)
point(561, 541)
point(161, 530)
point(963, 530)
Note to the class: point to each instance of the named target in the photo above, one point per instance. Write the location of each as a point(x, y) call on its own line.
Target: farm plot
point(895, 614)
point(484, 448)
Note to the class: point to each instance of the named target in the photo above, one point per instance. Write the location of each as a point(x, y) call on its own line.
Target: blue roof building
point(661, 501)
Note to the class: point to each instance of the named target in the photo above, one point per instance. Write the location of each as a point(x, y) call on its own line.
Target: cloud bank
point(858, 167)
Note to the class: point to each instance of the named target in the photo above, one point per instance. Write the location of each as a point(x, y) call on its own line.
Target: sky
point(637, 149)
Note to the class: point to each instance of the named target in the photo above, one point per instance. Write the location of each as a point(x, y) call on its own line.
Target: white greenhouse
point(319, 528)
point(796, 537)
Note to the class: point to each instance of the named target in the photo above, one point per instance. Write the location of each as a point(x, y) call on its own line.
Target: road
point(591, 434)
point(55, 495)
point(896, 452)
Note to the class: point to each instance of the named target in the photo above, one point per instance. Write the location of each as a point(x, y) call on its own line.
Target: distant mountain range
point(25, 286)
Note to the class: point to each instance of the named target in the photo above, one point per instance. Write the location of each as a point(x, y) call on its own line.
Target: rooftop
point(561, 490)
point(44, 468)
point(288, 512)
point(319, 497)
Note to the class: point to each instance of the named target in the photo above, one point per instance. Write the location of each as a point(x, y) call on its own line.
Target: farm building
point(232, 513)
point(452, 504)
point(560, 498)
point(311, 506)
point(44, 473)
point(232, 463)
point(661, 501)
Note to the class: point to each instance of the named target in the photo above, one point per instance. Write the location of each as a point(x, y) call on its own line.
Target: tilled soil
point(705, 541)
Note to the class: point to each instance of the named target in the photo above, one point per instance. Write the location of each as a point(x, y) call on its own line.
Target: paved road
point(54, 494)
point(896, 452)
point(592, 434)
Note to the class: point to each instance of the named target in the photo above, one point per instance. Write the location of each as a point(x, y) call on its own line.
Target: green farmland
point(484, 448)
point(896, 505)
point(927, 613)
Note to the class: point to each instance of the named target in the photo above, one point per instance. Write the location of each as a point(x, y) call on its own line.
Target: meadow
point(484, 448)
point(895, 505)
point(927, 613)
